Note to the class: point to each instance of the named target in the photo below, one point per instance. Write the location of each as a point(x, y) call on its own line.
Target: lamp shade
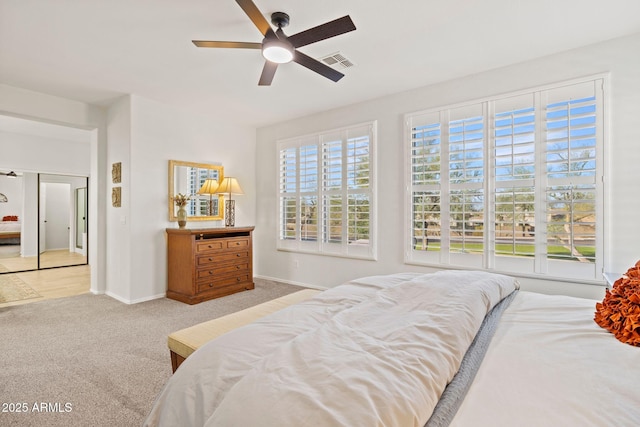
point(210, 186)
point(230, 185)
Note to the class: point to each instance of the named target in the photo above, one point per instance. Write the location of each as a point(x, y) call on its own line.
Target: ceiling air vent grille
point(337, 60)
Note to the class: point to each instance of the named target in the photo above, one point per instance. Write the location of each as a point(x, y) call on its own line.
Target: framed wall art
point(116, 173)
point(116, 197)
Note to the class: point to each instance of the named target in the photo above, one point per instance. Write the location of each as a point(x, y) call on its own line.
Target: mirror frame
point(172, 207)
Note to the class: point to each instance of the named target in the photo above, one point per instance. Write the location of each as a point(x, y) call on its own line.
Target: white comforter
point(373, 352)
point(549, 364)
point(9, 226)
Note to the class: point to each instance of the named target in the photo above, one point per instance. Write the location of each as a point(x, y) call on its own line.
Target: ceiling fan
point(277, 48)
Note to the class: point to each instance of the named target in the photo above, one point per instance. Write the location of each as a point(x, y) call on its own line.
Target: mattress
point(550, 364)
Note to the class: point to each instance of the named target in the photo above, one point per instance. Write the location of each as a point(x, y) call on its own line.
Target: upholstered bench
point(184, 342)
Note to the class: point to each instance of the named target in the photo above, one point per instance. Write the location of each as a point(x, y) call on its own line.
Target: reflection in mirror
point(19, 223)
point(58, 220)
point(46, 216)
point(195, 180)
point(81, 219)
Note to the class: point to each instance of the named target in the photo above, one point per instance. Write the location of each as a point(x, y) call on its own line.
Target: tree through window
point(326, 192)
point(510, 183)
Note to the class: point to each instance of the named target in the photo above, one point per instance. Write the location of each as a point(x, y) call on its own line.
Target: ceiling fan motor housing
point(280, 19)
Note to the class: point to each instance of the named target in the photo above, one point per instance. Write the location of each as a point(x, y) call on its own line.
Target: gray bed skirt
point(455, 392)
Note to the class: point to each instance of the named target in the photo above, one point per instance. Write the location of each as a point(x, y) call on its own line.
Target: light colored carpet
point(104, 360)
point(12, 288)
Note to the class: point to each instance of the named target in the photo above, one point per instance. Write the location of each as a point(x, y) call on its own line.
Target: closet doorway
point(41, 159)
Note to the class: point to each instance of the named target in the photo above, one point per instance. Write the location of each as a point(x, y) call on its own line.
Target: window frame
point(319, 246)
point(538, 266)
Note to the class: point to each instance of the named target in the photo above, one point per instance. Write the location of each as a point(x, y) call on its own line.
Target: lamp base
point(230, 213)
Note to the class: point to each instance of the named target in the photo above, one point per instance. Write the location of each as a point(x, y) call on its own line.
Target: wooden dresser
point(206, 263)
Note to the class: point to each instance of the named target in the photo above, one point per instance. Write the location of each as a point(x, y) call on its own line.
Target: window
point(326, 192)
point(511, 184)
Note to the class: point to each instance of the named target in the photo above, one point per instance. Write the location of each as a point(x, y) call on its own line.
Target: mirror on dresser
point(190, 178)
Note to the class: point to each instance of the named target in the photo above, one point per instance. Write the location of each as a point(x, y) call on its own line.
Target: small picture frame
point(116, 197)
point(116, 173)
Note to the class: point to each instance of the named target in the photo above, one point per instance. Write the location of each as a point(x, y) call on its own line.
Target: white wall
point(618, 57)
point(12, 188)
point(144, 135)
point(118, 219)
point(21, 152)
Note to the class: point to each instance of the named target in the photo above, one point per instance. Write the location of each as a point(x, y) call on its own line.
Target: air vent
point(337, 60)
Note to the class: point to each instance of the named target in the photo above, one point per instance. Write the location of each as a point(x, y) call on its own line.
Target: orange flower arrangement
point(619, 312)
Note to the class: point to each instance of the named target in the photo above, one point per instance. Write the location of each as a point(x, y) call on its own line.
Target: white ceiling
point(97, 50)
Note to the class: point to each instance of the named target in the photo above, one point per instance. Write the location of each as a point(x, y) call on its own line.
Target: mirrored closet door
point(47, 214)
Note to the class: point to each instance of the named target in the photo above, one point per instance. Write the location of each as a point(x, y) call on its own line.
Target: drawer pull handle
point(237, 267)
point(211, 285)
point(238, 255)
point(210, 259)
point(210, 272)
point(238, 279)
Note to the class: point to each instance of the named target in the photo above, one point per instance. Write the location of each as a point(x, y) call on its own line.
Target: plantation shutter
point(466, 184)
point(425, 172)
point(512, 183)
point(572, 123)
point(334, 194)
point(514, 167)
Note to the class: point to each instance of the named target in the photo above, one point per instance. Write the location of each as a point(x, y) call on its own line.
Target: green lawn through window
point(554, 251)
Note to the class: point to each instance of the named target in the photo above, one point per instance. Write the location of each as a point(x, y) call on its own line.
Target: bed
point(454, 348)
point(10, 230)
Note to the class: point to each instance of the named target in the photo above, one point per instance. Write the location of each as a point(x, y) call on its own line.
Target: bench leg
point(176, 360)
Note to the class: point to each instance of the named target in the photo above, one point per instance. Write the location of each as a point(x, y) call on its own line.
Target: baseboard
point(150, 298)
point(289, 282)
point(135, 301)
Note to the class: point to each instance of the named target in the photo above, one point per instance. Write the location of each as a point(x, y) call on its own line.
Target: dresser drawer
point(237, 243)
point(215, 270)
point(210, 246)
point(222, 258)
point(219, 282)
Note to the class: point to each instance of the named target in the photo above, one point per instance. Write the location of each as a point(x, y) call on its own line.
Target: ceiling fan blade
point(322, 32)
point(256, 17)
point(242, 45)
point(267, 73)
point(317, 66)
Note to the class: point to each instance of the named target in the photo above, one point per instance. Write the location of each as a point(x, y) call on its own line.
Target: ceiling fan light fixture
point(278, 48)
point(277, 51)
